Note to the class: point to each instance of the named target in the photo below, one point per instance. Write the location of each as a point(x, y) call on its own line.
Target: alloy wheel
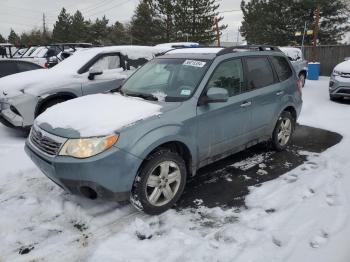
point(284, 132)
point(163, 183)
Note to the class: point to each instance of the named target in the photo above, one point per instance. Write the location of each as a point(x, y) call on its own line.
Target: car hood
point(343, 67)
point(34, 82)
point(97, 115)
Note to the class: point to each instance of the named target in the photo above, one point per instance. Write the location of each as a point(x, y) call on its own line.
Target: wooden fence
point(328, 56)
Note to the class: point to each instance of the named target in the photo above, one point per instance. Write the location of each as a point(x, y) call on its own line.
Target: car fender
point(159, 136)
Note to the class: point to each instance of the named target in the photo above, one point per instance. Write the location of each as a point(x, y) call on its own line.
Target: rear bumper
point(110, 174)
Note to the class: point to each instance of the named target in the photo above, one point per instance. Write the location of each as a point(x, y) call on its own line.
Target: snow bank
point(98, 115)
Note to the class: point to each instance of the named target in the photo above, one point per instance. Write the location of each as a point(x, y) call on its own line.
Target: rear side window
point(22, 66)
point(7, 68)
point(282, 67)
point(229, 75)
point(260, 73)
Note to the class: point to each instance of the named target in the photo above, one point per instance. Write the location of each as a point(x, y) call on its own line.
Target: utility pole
point(217, 32)
point(316, 29)
point(44, 24)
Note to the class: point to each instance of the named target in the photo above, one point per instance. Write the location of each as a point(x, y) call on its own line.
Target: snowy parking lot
point(302, 215)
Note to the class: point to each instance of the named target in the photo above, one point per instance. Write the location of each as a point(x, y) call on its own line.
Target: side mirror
point(95, 71)
point(346, 58)
point(214, 95)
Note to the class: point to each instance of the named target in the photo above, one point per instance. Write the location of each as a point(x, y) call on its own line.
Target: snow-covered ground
point(303, 215)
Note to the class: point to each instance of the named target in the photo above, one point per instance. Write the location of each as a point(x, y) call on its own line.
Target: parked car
point(339, 84)
point(296, 57)
point(176, 114)
point(97, 70)
point(13, 66)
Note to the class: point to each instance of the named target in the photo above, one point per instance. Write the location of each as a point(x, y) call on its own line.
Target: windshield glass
point(171, 79)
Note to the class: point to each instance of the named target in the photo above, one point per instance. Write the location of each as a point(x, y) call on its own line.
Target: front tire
point(160, 182)
point(283, 131)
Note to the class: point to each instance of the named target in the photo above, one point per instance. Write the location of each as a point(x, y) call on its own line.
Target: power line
point(108, 9)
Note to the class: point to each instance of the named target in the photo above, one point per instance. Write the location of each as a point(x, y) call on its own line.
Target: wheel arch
point(46, 99)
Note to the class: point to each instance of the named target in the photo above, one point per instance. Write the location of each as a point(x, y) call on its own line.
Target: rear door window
point(23, 66)
point(282, 68)
point(260, 73)
point(7, 68)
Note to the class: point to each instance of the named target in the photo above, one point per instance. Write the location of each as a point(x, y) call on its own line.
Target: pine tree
point(62, 31)
point(13, 38)
point(118, 34)
point(195, 19)
point(79, 28)
point(191, 20)
point(164, 11)
point(145, 26)
point(98, 31)
point(2, 39)
point(275, 22)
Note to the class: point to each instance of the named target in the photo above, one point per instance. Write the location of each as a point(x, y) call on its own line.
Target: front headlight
point(336, 73)
point(87, 147)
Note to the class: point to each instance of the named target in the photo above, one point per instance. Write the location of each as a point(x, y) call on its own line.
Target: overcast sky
point(24, 15)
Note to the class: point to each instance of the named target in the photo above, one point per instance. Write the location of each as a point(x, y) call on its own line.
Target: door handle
point(279, 93)
point(246, 104)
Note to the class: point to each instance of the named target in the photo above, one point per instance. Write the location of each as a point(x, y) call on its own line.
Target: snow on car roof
point(293, 52)
point(199, 50)
point(175, 44)
point(81, 57)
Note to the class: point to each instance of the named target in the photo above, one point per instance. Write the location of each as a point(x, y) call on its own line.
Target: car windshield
point(171, 79)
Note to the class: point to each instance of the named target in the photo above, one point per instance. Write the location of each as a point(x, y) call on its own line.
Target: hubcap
point(284, 132)
point(163, 183)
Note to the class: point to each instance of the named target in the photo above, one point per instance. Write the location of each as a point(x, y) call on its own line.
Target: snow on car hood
point(343, 67)
point(98, 115)
point(33, 81)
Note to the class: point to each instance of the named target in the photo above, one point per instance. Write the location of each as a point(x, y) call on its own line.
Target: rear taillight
point(46, 65)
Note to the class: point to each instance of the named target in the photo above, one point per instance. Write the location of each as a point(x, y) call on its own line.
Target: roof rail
point(232, 49)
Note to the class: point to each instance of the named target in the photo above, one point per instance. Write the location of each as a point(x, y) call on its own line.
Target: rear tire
point(283, 131)
point(160, 183)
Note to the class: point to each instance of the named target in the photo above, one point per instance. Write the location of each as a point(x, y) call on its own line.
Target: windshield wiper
point(143, 95)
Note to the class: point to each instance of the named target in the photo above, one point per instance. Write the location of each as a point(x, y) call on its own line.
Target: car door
point(26, 66)
point(111, 78)
point(222, 127)
point(7, 68)
point(267, 91)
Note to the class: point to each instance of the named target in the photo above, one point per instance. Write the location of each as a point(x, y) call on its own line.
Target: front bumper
point(110, 174)
point(339, 87)
point(18, 111)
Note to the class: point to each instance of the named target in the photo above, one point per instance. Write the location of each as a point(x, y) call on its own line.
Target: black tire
point(276, 141)
point(139, 197)
point(302, 78)
point(50, 103)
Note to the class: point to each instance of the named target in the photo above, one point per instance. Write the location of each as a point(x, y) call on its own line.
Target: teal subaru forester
point(177, 113)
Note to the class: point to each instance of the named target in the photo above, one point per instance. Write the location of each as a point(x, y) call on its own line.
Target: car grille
point(346, 75)
point(344, 91)
point(44, 143)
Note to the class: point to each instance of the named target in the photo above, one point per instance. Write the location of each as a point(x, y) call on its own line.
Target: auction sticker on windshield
point(194, 63)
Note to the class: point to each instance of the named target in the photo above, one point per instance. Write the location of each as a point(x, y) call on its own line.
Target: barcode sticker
point(194, 63)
